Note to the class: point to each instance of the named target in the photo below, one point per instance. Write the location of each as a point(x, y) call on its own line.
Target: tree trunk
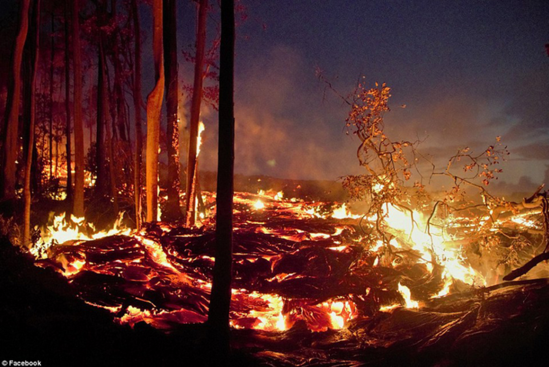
point(11, 127)
point(68, 105)
point(218, 316)
point(50, 116)
point(31, 87)
point(101, 182)
point(192, 162)
point(137, 110)
point(110, 139)
point(78, 209)
point(120, 124)
point(154, 105)
point(173, 211)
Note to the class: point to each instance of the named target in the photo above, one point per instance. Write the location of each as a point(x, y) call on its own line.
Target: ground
point(42, 320)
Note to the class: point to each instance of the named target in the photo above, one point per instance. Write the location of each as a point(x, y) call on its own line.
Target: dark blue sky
point(467, 71)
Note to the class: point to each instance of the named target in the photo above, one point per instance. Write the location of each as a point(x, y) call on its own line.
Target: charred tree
point(30, 123)
point(218, 316)
point(78, 205)
point(11, 125)
point(68, 104)
point(192, 159)
point(137, 102)
point(173, 211)
point(154, 105)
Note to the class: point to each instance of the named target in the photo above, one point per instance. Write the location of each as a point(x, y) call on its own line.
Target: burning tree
point(154, 105)
point(192, 171)
point(389, 165)
point(78, 201)
point(385, 160)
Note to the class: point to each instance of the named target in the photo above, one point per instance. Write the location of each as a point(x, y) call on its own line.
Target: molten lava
point(294, 262)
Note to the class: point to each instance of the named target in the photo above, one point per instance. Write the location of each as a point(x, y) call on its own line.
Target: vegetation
point(396, 177)
point(90, 73)
point(100, 62)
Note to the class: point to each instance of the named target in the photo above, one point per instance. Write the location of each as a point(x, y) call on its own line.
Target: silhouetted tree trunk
point(173, 212)
point(78, 209)
point(120, 124)
point(50, 116)
point(218, 316)
point(192, 161)
point(137, 111)
point(110, 139)
point(154, 105)
point(10, 141)
point(101, 182)
point(29, 131)
point(68, 104)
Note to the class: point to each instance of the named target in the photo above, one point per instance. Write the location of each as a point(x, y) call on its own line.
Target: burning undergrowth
point(295, 263)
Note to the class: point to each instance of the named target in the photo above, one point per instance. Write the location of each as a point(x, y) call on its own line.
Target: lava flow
point(294, 262)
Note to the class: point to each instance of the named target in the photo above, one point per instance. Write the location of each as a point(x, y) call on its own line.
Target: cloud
point(528, 106)
point(514, 191)
point(534, 151)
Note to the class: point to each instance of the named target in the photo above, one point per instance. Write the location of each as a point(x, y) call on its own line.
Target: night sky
point(467, 71)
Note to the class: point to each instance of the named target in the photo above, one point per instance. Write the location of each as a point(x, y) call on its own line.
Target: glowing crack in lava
point(294, 262)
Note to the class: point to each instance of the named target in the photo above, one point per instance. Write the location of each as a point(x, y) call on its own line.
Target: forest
point(113, 239)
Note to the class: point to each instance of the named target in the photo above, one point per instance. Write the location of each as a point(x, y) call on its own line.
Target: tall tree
point(218, 316)
point(78, 206)
point(68, 104)
point(119, 126)
point(172, 103)
point(110, 130)
point(10, 142)
point(102, 113)
point(50, 115)
point(137, 111)
point(154, 105)
point(190, 212)
point(29, 131)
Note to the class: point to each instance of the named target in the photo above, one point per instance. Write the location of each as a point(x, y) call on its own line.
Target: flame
point(522, 221)
point(272, 318)
point(340, 312)
point(201, 128)
point(276, 317)
point(432, 246)
point(343, 212)
point(75, 229)
point(406, 294)
point(406, 229)
point(340, 213)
